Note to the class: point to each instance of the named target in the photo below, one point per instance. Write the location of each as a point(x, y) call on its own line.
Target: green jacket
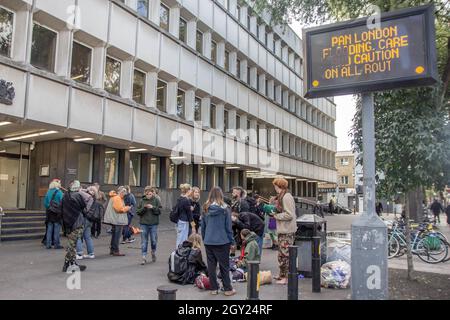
point(149, 216)
point(251, 252)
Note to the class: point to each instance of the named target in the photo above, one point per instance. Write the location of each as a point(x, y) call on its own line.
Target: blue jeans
point(116, 232)
point(126, 229)
point(182, 231)
point(259, 240)
point(53, 231)
point(152, 231)
point(87, 237)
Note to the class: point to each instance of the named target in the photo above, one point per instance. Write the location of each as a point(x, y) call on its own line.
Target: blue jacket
point(216, 226)
point(130, 200)
point(49, 196)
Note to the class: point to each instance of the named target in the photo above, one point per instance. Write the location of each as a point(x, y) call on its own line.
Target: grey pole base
point(167, 293)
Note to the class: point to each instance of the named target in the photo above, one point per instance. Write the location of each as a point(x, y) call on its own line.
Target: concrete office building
point(102, 85)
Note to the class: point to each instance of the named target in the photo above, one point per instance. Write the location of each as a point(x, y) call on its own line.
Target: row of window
point(306, 151)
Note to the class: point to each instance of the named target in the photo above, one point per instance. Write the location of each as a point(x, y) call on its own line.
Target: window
point(227, 61)
point(180, 103)
point(43, 48)
point(164, 17)
point(198, 109)
point(161, 96)
point(189, 173)
point(267, 87)
point(199, 44)
point(344, 180)
point(139, 87)
point(135, 169)
point(183, 30)
point(225, 120)
point(111, 166)
point(226, 180)
point(257, 134)
point(81, 63)
point(85, 158)
point(173, 174)
point(248, 75)
point(202, 177)
point(249, 18)
point(213, 52)
point(142, 8)
point(238, 122)
point(112, 75)
point(257, 82)
point(269, 138)
point(344, 162)
point(265, 38)
point(238, 68)
point(239, 12)
point(154, 172)
point(6, 31)
point(212, 123)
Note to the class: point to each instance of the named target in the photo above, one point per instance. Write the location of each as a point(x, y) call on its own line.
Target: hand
point(149, 206)
point(192, 208)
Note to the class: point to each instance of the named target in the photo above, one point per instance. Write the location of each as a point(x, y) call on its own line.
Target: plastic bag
point(335, 275)
point(340, 251)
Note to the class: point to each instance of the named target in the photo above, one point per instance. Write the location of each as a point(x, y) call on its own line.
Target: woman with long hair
point(217, 236)
point(185, 218)
point(196, 214)
point(286, 226)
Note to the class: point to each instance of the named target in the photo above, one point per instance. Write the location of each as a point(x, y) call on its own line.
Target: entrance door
point(9, 179)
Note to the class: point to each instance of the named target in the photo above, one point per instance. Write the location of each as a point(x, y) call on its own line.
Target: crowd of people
point(231, 230)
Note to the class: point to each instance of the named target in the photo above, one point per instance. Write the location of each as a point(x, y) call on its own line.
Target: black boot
point(79, 266)
point(66, 265)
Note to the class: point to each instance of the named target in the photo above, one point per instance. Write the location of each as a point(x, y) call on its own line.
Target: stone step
point(23, 219)
point(22, 224)
point(23, 236)
point(24, 214)
point(16, 231)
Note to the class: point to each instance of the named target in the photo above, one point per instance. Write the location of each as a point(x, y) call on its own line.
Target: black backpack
point(95, 213)
point(174, 214)
point(54, 208)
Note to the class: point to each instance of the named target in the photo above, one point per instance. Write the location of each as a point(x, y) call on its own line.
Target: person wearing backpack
point(89, 196)
point(73, 207)
point(184, 209)
point(217, 236)
point(52, 204)
point(149, 210)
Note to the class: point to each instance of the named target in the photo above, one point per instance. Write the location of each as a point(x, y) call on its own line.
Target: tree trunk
point(409, 257)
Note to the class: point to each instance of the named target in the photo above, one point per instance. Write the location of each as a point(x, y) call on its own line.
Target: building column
point(292, 60)
point(243, 126)
point(278, 93)
point(285, 99)
point(233, 63)
point(189, 101)
point(285, 54)
point(232, 7)
point(22, 29)
point(151, 90)
point(126, 90)
point(262, 135)
point(206, 110)
point(278, 47)
point(172, 93)
point(207, 37)
point(191, 34)
point(297, 65)
point(221, 54)
point(174, 21)
point(63, 52)
point(98, 67)
point(292, 103)
point(253, 134)
point(220, 125)
point(154, 7)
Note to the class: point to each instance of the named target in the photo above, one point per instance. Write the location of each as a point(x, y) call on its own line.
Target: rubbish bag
point(340, 251)
point(335, 275)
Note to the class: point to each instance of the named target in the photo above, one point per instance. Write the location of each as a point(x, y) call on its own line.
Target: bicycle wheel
point(393, 247)
point(431, 254)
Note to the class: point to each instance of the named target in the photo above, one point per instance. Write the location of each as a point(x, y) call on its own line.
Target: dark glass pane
point(139, 87)
point(161, 96)
point(164, 17)
point(81, 63)
point(199, 42)
point(43, 48)
point(198, 109)
point(180, 104)
point(142, 8)
point(135, 169)
point(183, 30)
point(213, 117)
point(111, 166)
point(112, 76)
point(214, 52)
point(6, 31)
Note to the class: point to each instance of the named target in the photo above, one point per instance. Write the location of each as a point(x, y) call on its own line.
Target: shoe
point(66, 265)
point(79, 257)
point(214, 292)
point(59, 247)
point(79, 267)
point(131, 240)
point(89, 256)
point(118, 254)
point(144, 261)
point(230, 293)
point(283, 281)
point(124, 242)
point(153, 257)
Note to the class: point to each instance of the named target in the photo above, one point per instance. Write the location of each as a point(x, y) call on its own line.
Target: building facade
point(154, 92)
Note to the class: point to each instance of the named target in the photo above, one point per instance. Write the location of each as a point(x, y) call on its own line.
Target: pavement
point(29, 271)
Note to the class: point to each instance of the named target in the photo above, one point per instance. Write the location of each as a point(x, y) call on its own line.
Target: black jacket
point(196, 214)
point(184, 209)
point(250, 221)
point(191, 267)
point(436, 207)
point(240, 206)
point(72, 210)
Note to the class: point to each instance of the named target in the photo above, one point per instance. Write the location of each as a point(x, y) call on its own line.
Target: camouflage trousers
point(71, 251)
point(284, 241)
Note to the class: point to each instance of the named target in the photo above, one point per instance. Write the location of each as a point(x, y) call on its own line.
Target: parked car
point(338, 209)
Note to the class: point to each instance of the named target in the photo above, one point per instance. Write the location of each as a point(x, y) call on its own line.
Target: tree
point(412, 125)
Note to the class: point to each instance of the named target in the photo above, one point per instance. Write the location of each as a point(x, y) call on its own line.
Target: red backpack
point(202, 282)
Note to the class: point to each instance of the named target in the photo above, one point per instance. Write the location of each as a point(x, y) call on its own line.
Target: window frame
point(13, 33)
point(145, 84)
point(92, 61)
point(179, 30)
point(226, 64)
point(162, 5)
point(120, 81)
point(212, 117)
point(55, 63)
point(148, 9)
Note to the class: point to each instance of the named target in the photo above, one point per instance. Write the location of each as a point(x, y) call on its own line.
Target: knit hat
point(75, 186)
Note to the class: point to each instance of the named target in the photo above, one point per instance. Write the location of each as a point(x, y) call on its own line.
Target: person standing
point(116, 215)
point(196, 213)
point(149, 210)
point(331, 205)
point(318, 210)
point(239, 204)
point(96, 228)
point(379, 208)
point(72, 211)
point(286, 226)
point(52, 204)
point(130, 201)
point(185, 217)
point(218, 237)
point(88, 196)
point(447, 212)
point(436, 208)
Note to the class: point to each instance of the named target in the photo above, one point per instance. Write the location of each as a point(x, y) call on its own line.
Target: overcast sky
point(345, 110)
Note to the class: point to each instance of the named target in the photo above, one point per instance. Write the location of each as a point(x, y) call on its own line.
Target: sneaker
point(89, 256)
point(230, 293)
point(131, 240)
point(79, 257)
point(124, 242)
point(153, 257)
point(214, 292)
point(144, 261)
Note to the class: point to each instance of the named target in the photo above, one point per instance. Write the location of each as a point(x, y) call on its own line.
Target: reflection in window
point(227, 61)
point(111, 166)
point(225, 120)
point(135, 169)
point(202, 177)
point(198, 109)
point(183, 30)
point(142, 8)
point(212, 119)
point(139, 87)
point(213, 52)
point(6, 31)
point(43, 48)
point(161, 96)
point(238, 68)
point(173, 176)
point(180, 103)
point(112, 75)
point(154, 172)
point(189, 173)
point(215, 177)
point(199, 42)
point(85, 158)
point(81, 63)
point(164, 17)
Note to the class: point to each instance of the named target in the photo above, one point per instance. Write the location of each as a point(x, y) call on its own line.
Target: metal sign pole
point(369, 279)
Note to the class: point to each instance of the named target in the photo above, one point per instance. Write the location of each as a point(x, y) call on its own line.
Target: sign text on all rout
point(345, 58)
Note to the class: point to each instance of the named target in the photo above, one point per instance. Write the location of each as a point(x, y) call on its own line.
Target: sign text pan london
point(345, 58)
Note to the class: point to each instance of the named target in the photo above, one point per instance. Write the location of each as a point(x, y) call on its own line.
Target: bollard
point(167, 293)
point(253, 280)
point(315, 264)
point(293, 274)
